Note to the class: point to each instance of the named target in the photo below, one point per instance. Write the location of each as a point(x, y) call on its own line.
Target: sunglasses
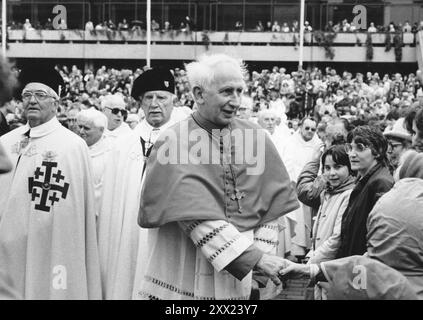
point(310, 129)
point(359, 147)
point(117, 110)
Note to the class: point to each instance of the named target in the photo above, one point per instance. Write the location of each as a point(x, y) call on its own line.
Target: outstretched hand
point(270, 265)
point(294, 270)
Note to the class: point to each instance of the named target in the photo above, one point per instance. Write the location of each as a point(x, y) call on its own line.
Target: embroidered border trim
point(192, 226)
point(210, 236)
point(148, 296)
point(269, 226)
point(270, 242)
point(172, 288)
point(220, 250)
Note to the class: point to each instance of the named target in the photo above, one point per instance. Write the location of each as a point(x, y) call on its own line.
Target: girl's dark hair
point(411, 116)
point(417, 115)
point(373, 138)
point(339, 156)
point(393, 115)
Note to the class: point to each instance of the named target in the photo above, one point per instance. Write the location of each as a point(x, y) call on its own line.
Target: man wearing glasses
point(48, 243)
point(113, 107)
point(399, 142)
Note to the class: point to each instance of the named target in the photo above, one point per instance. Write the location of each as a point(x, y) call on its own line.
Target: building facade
point(215, 15)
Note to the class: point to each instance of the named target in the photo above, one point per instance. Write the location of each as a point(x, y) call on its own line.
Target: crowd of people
point(342, 26)
point(340, 186)
point(188, 25)
point(324, 94)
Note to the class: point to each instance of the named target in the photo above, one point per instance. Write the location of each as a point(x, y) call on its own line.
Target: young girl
point(334, 200)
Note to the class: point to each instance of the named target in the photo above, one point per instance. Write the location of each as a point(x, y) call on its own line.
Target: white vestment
point(186, 263)
point(118, 230)
point(48, 243)
point(99, 153)
point(122, 130)
point(301, 152)
point(282, 139)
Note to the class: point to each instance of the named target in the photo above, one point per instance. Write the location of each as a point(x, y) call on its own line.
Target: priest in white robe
point(48, 242)
point(267, 119)
point(91, 125)
point(119, 234)
point(301, 148)
point(114, 107)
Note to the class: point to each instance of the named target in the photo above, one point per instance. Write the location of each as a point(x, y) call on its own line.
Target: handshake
point(277, 268)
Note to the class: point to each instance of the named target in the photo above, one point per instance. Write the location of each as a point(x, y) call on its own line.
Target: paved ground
point(294, 290)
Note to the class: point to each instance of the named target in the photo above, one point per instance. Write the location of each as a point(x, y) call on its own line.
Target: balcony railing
point(215, 38)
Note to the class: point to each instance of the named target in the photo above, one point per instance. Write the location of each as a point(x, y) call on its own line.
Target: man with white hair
point(267, 120)
point(246, 108)
point(91, 127)
point(114, 107)
point(217, 219)
point(120, 238)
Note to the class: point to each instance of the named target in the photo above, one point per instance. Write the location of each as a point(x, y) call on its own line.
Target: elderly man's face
point(157, 107)
point(39, 105)
point(244, 113)
point(222, 100)
point(308, 129)
point(268, 122)
point(395, 150)
point(72, 125)
point(89, 132)
point(115, 114)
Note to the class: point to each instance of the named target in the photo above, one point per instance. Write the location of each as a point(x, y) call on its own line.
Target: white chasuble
point(118, 229)
point(48, 243)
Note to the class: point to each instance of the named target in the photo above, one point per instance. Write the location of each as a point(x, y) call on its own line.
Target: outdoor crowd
point(188, 25)
point(348, 147)
point(361, 99)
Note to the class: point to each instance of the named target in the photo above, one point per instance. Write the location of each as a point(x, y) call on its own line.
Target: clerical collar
point(43, 129)
point(205, 124)
point(99, 147)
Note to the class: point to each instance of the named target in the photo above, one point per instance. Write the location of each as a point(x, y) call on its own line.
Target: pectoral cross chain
point(238, 195)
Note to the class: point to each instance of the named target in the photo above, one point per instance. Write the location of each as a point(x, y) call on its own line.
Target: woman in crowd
point(367, 151)
point(393, 265)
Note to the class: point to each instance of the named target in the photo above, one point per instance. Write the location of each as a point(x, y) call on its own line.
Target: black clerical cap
point(42, 74)
point(152, 80)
